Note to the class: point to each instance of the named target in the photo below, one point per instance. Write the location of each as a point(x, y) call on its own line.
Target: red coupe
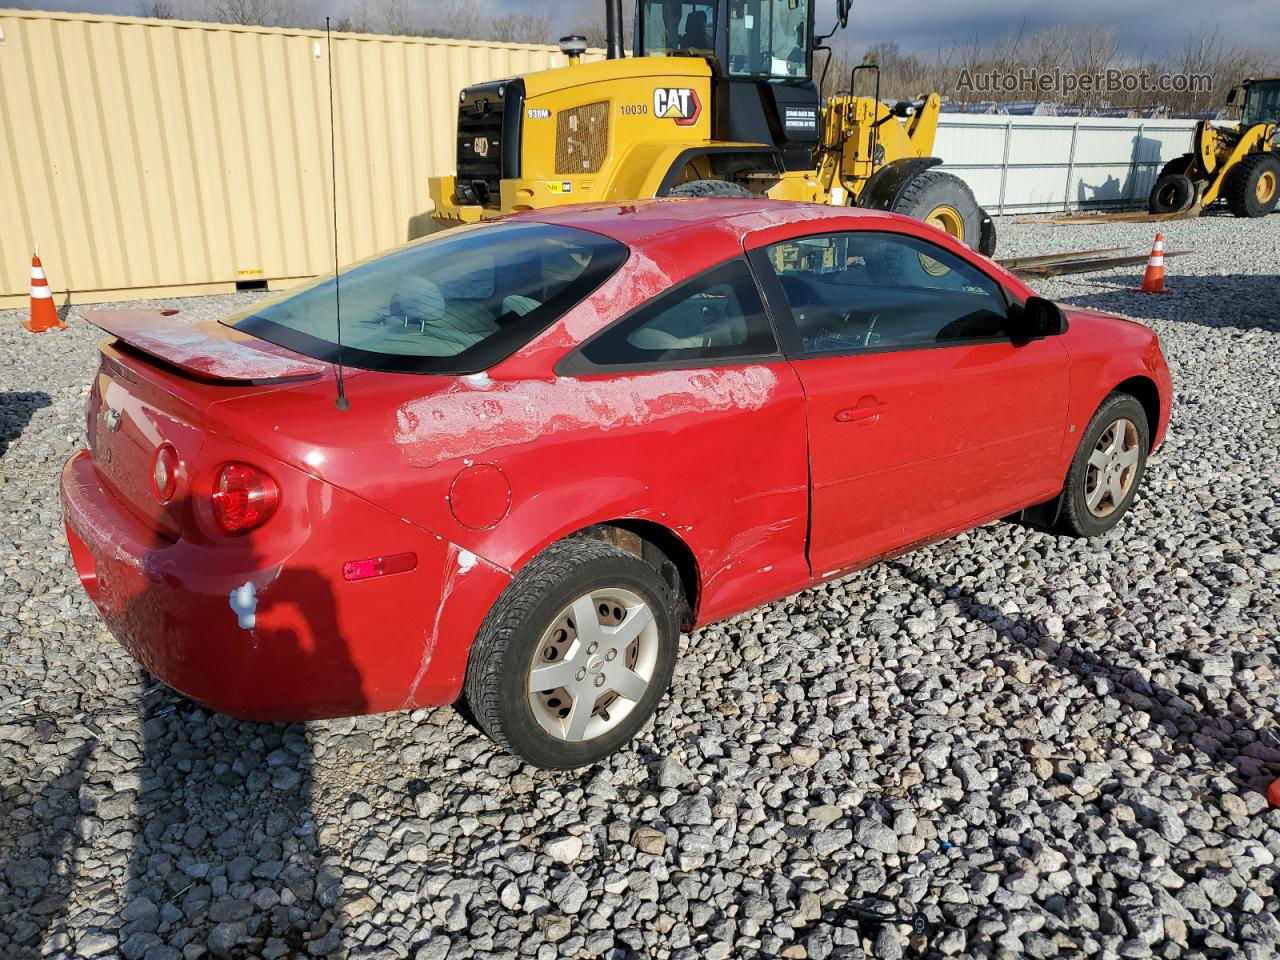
point(572, 434)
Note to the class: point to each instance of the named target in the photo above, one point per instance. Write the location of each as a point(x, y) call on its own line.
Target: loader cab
point(761, 56)
point(1261, 101)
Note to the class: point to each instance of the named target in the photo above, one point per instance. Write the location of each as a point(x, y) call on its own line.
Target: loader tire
point(1254, 185)
point(1177, 165)
point(944, 201)
point(987, 234)
point(1173, 193)
point(709, 188)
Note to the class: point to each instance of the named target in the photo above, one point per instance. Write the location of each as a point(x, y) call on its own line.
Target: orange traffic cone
point(1273, 793)
point(44, 315)
point(1153, 279)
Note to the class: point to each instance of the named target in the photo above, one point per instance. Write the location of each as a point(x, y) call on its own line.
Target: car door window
point(717, 315)
point(862, 291)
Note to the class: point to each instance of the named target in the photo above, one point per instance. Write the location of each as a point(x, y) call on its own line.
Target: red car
point(572, 434)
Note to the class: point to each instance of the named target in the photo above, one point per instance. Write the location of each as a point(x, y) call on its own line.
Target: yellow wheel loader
point(719, 100)
point(1237, 164)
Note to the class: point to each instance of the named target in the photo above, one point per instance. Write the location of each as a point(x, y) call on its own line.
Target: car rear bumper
point(301, 642)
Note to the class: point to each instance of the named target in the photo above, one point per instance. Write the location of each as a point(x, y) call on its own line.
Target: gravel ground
point(1038, 747)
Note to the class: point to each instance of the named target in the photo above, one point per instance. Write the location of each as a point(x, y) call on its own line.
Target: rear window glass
point(457, 302)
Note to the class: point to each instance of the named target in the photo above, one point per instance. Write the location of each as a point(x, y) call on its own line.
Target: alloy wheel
point(1113, 467)
point(593, 664)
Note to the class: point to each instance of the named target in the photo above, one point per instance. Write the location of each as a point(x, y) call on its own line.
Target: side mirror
point(1036, 318)
point(842, 12)
point(1231, 95)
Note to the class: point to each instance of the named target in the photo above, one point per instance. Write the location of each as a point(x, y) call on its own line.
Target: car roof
point(644, 221)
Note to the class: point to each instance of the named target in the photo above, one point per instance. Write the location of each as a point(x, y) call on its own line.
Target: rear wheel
point(944, 201)
point(573, 658)
point(709, 188)
point(1254, 186)
point(1107, 468)
point(1173, 193)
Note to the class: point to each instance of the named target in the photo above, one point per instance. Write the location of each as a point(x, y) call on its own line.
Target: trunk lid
point(155, 385)
point(205, 351)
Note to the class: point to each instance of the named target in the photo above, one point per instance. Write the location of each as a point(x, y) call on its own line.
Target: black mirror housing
point(842, 12)
point(1037, 318)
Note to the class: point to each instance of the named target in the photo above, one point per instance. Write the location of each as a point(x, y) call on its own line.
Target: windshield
point(1262, 103)
point(769, 38)
point(457, 302)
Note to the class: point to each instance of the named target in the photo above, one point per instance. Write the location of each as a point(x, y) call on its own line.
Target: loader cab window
point(676, 27)
point(1262, 103)
point(769, 39)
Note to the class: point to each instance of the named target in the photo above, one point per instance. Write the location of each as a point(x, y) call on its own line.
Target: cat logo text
point(677, 103)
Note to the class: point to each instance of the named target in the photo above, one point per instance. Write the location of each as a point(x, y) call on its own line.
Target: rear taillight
point(164, 472)
point(243, 497)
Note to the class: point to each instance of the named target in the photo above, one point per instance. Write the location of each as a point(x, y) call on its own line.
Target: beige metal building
point(157, 157)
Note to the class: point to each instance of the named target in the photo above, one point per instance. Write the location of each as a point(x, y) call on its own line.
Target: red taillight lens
point(243, 497)
point(164, 472)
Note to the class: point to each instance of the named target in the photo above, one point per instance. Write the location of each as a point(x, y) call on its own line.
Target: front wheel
point(575, 655)
point(1107, 468)
point(709, 188)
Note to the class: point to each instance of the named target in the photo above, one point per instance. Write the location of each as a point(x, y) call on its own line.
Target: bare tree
point(159, 9)
point(521, 28)
point(260, 13)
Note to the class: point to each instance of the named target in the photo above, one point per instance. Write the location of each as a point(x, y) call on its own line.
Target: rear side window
point(457, 302)
point(880, 291)
point(716, 316)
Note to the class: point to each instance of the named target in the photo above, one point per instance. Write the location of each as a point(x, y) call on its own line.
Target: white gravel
point(1044, 747)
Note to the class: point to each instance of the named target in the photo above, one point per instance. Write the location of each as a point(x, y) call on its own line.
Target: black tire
point(1173, 193)
point(710, 188)
point(1075, 518)
point(1245, 186)
point(1180, 164)
point(496, 687)
point(986, 234)
point(927, 192)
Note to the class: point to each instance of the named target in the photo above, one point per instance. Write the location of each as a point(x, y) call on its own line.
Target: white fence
point(1044, 164)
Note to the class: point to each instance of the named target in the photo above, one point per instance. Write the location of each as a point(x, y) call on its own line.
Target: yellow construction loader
point(1237, 164)
point(718, 100)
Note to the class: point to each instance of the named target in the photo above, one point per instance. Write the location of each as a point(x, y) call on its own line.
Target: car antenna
point(341, 402)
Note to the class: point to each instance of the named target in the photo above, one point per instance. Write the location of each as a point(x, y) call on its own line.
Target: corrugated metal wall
point(1041, 164)
point(161, 154)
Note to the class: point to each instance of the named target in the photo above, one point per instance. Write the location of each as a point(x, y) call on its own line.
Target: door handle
point(866, 411)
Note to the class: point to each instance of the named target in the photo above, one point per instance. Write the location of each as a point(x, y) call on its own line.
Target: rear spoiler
point(207, 351)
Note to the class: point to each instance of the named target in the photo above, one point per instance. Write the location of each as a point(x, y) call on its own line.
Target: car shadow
point(1228, 740)
point(226, 849)
point(1197, 299)
point(17, 407)
point(55, 816)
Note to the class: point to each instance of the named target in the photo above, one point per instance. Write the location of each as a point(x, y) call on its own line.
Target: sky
point(1151, 27)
